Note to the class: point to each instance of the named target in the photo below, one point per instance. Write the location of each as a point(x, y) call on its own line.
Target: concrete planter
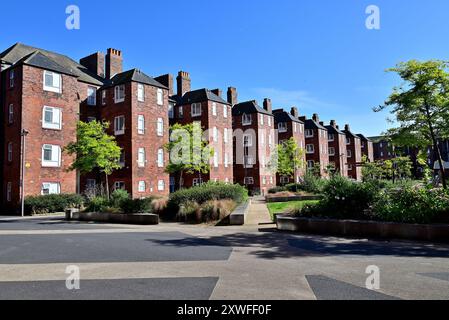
point(238, 217)
point(137, 219)
point(293, 198)
point(365, 229)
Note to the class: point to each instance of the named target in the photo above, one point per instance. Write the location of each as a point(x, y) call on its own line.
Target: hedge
point(52, 203)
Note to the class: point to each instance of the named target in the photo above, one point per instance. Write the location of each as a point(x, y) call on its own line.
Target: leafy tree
point(189, 151)
point(94, 149)
point(421, 106)
point(371, 170)
point(290, 158)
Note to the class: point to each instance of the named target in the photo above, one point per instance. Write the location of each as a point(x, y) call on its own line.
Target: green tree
point(189, 151)
point(94, 149)
point(421, 106)
point(290, 158)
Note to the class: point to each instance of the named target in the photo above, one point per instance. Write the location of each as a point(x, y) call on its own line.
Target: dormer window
point(119, 93)
point(282, 127)
point(52, 82)
point(247, 120)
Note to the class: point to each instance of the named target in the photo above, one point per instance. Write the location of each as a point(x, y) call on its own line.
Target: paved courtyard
point(174, 261)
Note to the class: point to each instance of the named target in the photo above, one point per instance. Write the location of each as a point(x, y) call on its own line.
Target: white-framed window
point(310, 148)
point(122, 161)
point(349, 153)
point(52, 82)
point(248, 161)
point(91, 183)
point(51, 118)
point(161, 185)
point(103, 97)
point(91, 96)
point(160, 127)
point(160, 158)
point(310, 164)
point(270, 140)
point(248, 181)
point(9, 192)
point(282, 127)
point(349, 167)
point(11, 114)
point(141, 158)
point(331, 151)
point(331, 137)
point(226, 160)
point(247, 140)
point(215, 159)
point(263, 161)
point(10, 146)
point(271, 180)
point(225, 111)
point(247, 119)
point(264, 180)
point(309, 133)
point(196, 109)
point(269, 121)
point(119, 125)
point(197, 182)
point(215, 134)
point(171, 110)
point(119, 93)
point(226, 135)
point(50, 188)
point(140, 124)
point(140, 92)
point(285, 180)
point(119, 185)
point(11, 78)
point(262, 117)
point(214, 109)
point(181, 111)
point(51, 156)
point(262, 139)
point(142, 186)
point(348, 141)
point(381, 154)
point(295, 127)
point(160, 97)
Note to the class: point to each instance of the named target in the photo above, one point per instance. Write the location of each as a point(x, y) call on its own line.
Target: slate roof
point(284, 116)
point(199, 95)
point(332, 129)
point(21, 53)
point(133, 75)
point(248, 107)
point(312, 124)
point(378, 138)
point(361, 136)
point(350, 134)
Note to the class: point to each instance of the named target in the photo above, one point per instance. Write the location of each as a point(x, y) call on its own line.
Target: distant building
point(353, 154)
point(337, 149)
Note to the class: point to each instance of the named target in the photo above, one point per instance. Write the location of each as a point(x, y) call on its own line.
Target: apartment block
point(337, 149)
point(289, 126)
point(353, 154)
point(254, 142)
point(367, 147)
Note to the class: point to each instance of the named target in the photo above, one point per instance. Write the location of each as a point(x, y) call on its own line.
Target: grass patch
point(287, 207)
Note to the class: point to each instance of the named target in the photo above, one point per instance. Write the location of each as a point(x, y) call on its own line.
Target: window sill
point(54, 90)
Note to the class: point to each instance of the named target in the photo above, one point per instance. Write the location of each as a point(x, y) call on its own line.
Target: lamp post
point(22, 182)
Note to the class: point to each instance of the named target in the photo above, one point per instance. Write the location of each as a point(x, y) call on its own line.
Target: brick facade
point(354, 154)
point(317, 145)
point(337, 149)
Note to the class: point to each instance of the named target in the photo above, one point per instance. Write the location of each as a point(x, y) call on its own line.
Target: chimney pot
point(347, 127)
point(114, 62)
point(183, 83)
point(315, 117)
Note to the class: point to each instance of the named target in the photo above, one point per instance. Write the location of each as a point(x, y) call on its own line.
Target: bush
point(118, 197)
point(131, 206)
point(97, 204)
point(52, 203)
point(312, 183)
point(210, 211)
point(277, 190)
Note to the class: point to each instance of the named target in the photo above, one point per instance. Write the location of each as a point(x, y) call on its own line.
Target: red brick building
point(208, 108)
point(354, 154)
point(367, 147)
point(337, 149)
point(317, 145)
point(289, 126)
point(254, 142)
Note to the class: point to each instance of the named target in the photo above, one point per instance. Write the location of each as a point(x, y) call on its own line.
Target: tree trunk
point(180, 180)
point(107, 186)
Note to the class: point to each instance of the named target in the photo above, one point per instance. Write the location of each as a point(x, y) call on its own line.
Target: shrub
point(118, 197)
point(160, 204)
point(131, 206)
point(97, 204)
point(52, 203)
point(216, 210)
point(277, 190)
point(189, 211)
point(312, 183)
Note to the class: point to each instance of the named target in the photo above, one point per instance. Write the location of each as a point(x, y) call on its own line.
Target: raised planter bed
point(240, 214)
point(136, 219)
point(291, 198)
point(366, 229)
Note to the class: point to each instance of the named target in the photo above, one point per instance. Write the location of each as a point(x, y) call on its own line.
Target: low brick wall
point(365, 229)
point(293, 198)
point(137, 219)
point(238, 217)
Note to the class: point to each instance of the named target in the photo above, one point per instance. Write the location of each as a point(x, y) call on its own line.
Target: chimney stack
point(267, 105)
point(295, 112)
point(232, 96)
point(114, 63)
point(183, 83)
point(334, 124)
point(217, 92)
point(95, 63)
point(347, 128)
point(322, 123)
point(166, 80)
point(303, 118)
point(315, 117)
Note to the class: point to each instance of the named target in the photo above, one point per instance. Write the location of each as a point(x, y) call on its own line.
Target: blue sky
point(315, 54)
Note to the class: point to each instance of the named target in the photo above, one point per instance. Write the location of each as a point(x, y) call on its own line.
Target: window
point(282, 127)
point(52, 82)
point(51, 156)
point(248, 161)
point(309, 133)
point(270, 140)
point(91, 119)
point(160, 97)
point(141, 158)
point(11, 114)
point(310, 164)
point(310, 148)
point(9, 192)
point(171, 111)
point(181, 112)
point(348, 141)
point(197, 182)
point(271, 180)
point(295, 127)
point(10, 152)
point(247, 120)
point(262, 161)
point(381, 154)
point(285, 180)
point(119, 185)
point(331, 137)
point(215, 134)
point(119, 93)
point(196, 109)
point(248, 181)
point(262, 119)
point(160, 127)
point(142, 186)
point(160, 158)
point(140, 92)
point(119, 125)
point(214, 109)
point(226, 135)
point(92, 96)
point(141, 124)
point(349, 167)
point(247, 140)
point(50, 188)
point(122, 158)
point(225, 111)
point(269, 121)
point(262, 139)
point(349, 153)
point(103, 97)
point(51, 118)
point(215, 159)
point(11, 78)
point(264, 180)
point(91, 184)
point(331, 151)
point(226, 160)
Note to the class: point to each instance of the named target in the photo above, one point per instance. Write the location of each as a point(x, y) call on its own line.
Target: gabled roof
point(332, 129)
point(350, 134)
point(378, 139)
point(199, 95)
point(312, 124)
point(19, 51)
point(38, 59)
point(133, 75)
point(248, 107)
point(361, 136)
point(284, 116)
